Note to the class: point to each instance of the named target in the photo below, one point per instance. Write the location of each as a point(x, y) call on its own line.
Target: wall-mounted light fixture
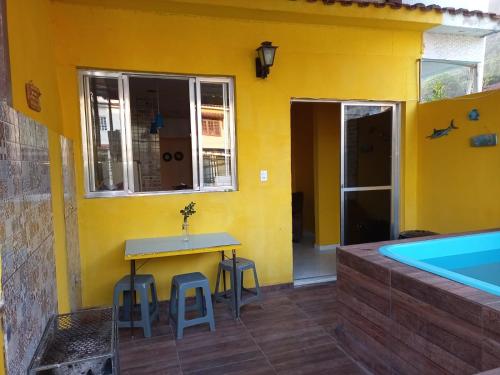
point(265, 59)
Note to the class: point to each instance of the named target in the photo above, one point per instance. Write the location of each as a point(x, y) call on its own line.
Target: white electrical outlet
point(263, 175)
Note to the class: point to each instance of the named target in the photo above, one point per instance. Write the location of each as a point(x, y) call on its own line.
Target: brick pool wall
point(398, 319)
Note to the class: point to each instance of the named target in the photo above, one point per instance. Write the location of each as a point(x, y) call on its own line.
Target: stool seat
point(124, 282)
point(241, 264)
point(178, 308)
point(189, 278)
point(148, 310)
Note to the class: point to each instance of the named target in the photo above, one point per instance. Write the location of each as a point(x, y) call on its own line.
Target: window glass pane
point(441, 80)
point(492, 63)
point(104, 136)
point(161, 134)
point(368, 145)
point(215, 138)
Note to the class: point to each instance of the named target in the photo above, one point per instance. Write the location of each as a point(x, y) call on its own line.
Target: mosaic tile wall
point(26, 236)
point(71, 219)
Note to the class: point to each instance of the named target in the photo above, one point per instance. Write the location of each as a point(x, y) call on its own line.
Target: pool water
point(472, 260)
point(481, 265)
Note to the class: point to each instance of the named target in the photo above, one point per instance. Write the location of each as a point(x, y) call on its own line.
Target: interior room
point(161, 133)
point(315, 131)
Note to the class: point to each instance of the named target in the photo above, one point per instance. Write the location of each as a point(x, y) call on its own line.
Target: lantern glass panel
point(268, 56)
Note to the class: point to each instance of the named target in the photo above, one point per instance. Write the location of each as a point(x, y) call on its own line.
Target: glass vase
point(185, 231)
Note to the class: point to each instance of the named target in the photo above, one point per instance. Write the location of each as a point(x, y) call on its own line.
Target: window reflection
point(368, 146)
point(216, 136)
point(105, 136)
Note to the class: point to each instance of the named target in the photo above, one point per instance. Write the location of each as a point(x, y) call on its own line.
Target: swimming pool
point(472, 260)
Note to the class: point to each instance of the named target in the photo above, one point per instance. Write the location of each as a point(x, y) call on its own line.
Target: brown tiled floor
point(289, 332)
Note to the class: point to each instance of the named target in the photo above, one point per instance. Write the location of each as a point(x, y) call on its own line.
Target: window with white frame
point(104, 123)
point(441, 79)
point(157, 133)
point(491, 79)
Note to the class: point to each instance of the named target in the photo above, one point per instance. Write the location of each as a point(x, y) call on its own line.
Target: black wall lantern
point(265, 59)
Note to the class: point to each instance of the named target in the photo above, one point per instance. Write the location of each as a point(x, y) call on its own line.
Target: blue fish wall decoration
point(438, 133)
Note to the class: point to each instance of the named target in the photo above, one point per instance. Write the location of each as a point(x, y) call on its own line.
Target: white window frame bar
point(86, 128)
point(231, 129)
point(126, 132)
point(194, 132)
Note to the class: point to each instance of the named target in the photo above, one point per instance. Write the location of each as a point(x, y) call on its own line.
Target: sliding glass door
point(369, 172)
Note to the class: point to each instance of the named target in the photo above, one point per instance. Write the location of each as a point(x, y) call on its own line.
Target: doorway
point(344, 161)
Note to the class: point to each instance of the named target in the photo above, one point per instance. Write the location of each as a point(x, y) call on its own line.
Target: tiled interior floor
point(309, 262)
point(289, 332)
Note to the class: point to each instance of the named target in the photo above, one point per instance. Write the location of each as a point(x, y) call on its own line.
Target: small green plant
point(188, 211)
point(438, 91)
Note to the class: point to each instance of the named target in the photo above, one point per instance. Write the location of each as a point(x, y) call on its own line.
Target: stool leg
point(145, 317)
point(217, 283)
point(231, 298)
point(144, 305)
point(198, 304)
point(181, 312)
point(154, 299)
point(256, 279)
point(239, 285)
point(209, 308)
point(172, 308)
point(203, 302)
point(127, 300)
point(116, 297)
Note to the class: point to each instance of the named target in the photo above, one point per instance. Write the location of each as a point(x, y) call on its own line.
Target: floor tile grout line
point(223, 365)
point(352, 359)
point(294, 350)
point(258, 346)
point(212, 367)
point(176, 348)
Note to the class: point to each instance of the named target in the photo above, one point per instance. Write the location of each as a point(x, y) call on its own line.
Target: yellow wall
point(32, 59)
point(302, 153)
point(312, 61)
point(327, 172)
point(459, 185)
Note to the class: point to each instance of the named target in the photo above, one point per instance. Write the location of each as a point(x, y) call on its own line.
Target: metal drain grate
point(80, 342)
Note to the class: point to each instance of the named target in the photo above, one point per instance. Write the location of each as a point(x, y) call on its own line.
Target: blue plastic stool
point(149, 311)
point(242, 265)
point(203, 304)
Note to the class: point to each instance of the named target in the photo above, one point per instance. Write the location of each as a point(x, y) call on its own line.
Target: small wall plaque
point(484, 140)
point(33, 97)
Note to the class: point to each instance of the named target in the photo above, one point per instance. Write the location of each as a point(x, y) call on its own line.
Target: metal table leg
point(224, 275)
point(235, 287)
point(132, 296)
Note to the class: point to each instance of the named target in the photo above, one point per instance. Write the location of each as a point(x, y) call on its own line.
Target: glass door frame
point(395, 168)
